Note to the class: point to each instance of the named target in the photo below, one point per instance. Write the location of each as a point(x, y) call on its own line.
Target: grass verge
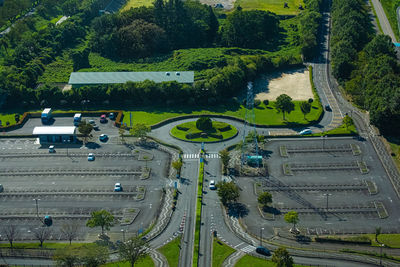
point(184, 130)
point(376, 17)
point(272, 5)
point(390, 240)
point(171, 251)
point(248, 260)
point(198, 215)
point(390, 11)
point(137, 3)
point(341, 130)
point(220, 252)
point(145, 262)
point(45, 245)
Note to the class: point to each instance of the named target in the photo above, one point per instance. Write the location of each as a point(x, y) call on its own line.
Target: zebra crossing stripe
point(248, 249)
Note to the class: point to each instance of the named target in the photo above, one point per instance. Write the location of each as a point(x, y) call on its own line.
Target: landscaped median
point(220, 252)
point(171, 251)
point(198, 214)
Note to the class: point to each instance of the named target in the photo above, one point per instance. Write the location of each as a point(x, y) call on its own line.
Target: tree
point(41, 233)
point(133, 250)
point(85, 129)
point(282, 258)
point(4, 44)
point(377, 233)
point(284, 104)
point(227, 192)
point(70, 231)
point(348, 121)
point(177, 165)
point(93, 255)
point(67, 257)
point(225, 157)
point(204, 124)
point(292, 217)
point(11, 232)
point(80, 58)
point(257, 102)
point(266, 102)
point(101, 218)
point(265, 198)
point(139, 130)
point(305, 108)
point(121, 132)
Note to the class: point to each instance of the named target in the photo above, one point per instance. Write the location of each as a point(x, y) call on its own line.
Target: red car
point(103, 118)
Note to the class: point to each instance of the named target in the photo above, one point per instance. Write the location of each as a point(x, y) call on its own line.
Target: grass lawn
point(192, 129)
point(247, 261)
point(220, 252)
point(171, 251)
point(338, 131)
point(390, 11)
point(394, 143)
point(146, 262)
point(4, 118)
point(137, 3)
point(264, 115)
point(392, 240)
point(275, 6)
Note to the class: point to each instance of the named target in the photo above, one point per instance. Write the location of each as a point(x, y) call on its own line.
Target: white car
point(305, 131)
point(90, 157)
point(117, 187)
point(212, 185)
point(51, 149)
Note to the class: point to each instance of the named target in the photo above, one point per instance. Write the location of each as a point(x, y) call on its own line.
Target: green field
point(264, 115)
point(220, 252)
point(275, 6)
point(171, 251)
point(137, 3)
point(192, 129)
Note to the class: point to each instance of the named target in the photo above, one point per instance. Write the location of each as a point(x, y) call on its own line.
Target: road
point(385, 25)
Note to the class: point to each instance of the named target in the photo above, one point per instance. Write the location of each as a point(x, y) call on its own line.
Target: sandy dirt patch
point(294, 83)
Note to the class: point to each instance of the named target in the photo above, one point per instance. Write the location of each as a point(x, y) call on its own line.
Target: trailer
point(46, 115)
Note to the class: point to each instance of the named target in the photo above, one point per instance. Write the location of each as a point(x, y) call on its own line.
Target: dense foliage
point(367, 66)
point(11, 10)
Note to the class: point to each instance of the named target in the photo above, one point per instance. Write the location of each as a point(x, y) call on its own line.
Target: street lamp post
point(37, 206)
point(323, 142)
point(380, 260)
point(123, 235)
point(261, 232)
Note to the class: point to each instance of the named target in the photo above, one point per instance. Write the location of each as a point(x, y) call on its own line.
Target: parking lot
point(69, 186)
point(336, 185)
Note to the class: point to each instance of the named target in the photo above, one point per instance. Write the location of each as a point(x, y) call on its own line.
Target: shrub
point(310, 100)
point(204, 124)
point(224, 129)
point(244, 102)
point(266, 102)
point(182, 128)
point(257, 102)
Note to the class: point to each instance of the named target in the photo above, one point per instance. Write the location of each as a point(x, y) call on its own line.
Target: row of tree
point(366, 65)
point(174, 24)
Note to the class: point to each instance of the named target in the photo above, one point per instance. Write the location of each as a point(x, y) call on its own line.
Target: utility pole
point(261, 232)
point(37, 206)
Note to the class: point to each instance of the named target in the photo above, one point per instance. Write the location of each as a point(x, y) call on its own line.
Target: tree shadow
point(92, 145)
point(272, 210)
point(303, 239)
point(237, 210)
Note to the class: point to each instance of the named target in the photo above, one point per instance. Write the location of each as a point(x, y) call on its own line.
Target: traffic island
point(194, 132)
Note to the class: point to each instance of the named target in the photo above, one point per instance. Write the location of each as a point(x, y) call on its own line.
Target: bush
point(182, 128)
point(218, 136)
point(266, 102)
point(310, 100)
point(204, 124)
point(193, 135)
point(224, 129)
point(257, 102)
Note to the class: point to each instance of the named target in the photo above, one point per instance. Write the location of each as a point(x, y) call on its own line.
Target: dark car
point(263, 251)
point(328, 108)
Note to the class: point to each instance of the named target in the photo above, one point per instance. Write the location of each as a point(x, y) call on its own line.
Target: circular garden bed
point(219, 131)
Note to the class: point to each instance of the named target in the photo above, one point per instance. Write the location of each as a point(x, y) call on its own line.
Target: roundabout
point(204, 130)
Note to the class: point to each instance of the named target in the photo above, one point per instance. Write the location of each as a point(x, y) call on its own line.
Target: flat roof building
point(55, 134)
point(77, 79)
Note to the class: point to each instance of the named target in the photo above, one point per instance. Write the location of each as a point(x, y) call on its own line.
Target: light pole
point(380, 260)
point(327, 199)
point(323, 142)
point(123, 235)
point(261, 232)
point(37, 206)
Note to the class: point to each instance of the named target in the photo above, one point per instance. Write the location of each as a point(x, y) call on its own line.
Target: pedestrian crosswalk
point(196, 156)
point(248, 249)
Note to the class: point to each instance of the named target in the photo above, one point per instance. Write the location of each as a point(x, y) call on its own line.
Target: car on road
point(51, 149)
point(328, 108)
point(263, 251)
point(103, 118)
point(103, 138)
point(117, 187)
point(212, 185)
point(1, 188)
point(111, 116)
point(305, 131)
point(91, 157)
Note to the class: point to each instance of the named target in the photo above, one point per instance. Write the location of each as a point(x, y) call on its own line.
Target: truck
point(46, 115)
point(77, 118)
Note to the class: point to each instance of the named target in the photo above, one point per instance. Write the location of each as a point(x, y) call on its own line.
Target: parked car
point(263, 251)
point(212, 185)
point(1, 188)
point(95, 127)
point(91, 157)
point(305, 131)
point(328, 108)
point(92, 122)
point(103, 137)
point(51, 149)
point(103, 118)
point(117, 187)
point(111, 116)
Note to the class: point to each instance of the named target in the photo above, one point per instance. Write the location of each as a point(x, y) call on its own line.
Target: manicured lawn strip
point(394, 143)
point(247, 261)
point(376, 17)
point(220, 252)
point(171, 251)
point(136, 3)
point(275, 6)
point(198, 214)
point(390, 12)
point(391, 240)
point(146, 262)
point(193, 129)
point(45, 245)
point(341, 130)
point(264, 115)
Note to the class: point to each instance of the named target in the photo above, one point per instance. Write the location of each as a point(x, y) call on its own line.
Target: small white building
point(55, 134)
